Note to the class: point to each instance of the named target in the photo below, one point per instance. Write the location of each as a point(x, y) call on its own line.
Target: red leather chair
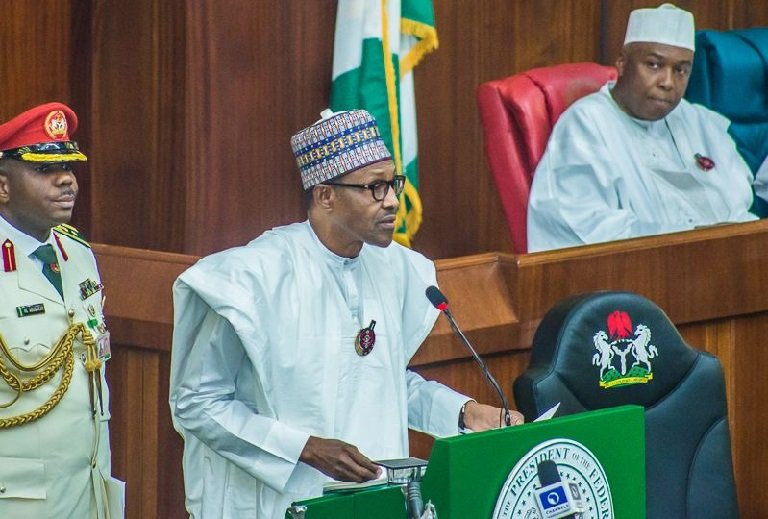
point(518, 114)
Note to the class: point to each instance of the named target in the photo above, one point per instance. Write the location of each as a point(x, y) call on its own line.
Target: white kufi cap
point(665, 24)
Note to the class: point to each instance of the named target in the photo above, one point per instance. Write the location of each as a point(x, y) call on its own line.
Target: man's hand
point(481, 417)
point(339, 460)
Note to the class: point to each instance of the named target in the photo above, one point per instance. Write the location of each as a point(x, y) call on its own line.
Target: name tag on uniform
point(23, 311)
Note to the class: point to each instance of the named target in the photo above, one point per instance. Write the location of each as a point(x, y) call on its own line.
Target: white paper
point(335, 486)
point(549, 413)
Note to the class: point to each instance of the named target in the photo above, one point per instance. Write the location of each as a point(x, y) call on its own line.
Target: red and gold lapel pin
point(704, 163)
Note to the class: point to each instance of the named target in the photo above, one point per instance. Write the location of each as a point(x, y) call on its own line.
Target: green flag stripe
point(418, 10)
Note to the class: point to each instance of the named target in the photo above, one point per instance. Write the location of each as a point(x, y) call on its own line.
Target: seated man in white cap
point(636, 159)
point(290, 354)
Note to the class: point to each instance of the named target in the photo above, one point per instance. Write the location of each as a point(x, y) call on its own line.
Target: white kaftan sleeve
point(432, 407)
point(208, 364)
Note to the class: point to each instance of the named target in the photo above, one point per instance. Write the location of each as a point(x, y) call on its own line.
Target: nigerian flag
point(376, 47)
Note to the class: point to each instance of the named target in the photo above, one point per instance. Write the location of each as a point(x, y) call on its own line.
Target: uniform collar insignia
point(9, 256)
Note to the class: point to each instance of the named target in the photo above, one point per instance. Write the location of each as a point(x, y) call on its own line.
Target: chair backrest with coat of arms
point(607, 349)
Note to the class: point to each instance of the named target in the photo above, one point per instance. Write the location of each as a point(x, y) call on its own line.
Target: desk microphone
point(556, 499)
point(414, 503)
point(439, 301)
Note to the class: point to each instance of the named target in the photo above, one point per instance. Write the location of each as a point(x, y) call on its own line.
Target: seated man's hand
point(339, 460)
point(481, 417)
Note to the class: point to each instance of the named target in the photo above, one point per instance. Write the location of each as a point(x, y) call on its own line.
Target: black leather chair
point(607, 349)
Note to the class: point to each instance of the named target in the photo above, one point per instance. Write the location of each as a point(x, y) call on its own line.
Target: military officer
point(54, 401)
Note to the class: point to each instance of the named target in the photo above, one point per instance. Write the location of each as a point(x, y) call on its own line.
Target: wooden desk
point(712, 283)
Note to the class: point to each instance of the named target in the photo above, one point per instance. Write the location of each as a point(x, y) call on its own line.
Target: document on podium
point(549, 413)
point(346, 486)
point(396, 472)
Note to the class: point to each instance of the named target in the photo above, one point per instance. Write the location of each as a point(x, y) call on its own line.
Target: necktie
point(47, 255)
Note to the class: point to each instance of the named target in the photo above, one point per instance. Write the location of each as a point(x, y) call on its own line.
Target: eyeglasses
point(378, 189)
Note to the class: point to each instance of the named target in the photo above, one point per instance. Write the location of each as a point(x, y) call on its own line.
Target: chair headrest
point(627, 343)
point(730, 73)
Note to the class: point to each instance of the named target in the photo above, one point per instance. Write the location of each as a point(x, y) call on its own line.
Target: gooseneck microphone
point(439, 301)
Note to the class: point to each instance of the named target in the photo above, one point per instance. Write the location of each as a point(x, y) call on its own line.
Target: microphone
point(414, 503)
point(556, 499)
point(439, 301)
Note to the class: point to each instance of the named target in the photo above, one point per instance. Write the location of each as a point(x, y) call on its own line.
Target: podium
point(493, 474)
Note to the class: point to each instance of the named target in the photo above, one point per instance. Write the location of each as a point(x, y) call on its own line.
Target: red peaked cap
point(47, 123)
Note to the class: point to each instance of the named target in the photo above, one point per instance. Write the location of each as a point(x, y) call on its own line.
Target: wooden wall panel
point(131, 428)
point(146, 451)
point(708, 14)
point(730, 340)
point(137, 159)
point(45, 58)
point(256, 72)
point(748, 14)
point(35, 64)
point(750, 420)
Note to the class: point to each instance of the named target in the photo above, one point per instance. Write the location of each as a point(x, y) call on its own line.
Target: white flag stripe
point(408, 119)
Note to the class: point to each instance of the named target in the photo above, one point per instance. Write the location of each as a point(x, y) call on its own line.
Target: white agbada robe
point(606, 176)
point(263, 357)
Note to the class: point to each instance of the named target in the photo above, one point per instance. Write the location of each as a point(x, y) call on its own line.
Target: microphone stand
point(414, 504)
point(486, 372)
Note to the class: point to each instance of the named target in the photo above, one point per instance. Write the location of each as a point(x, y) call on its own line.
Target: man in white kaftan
point(635, 159)
point(272, 328)
point(265, 359)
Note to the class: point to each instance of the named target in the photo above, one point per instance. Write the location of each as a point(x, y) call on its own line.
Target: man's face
point(652, 79)
point(358, 218)
point(34, 197)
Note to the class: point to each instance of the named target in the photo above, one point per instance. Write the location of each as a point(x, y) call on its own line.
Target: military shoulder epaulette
point(70, 232)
